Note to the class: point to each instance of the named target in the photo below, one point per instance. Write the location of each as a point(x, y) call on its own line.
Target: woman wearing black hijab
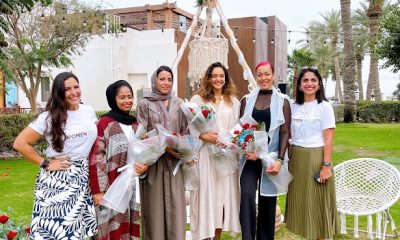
point(109, 153)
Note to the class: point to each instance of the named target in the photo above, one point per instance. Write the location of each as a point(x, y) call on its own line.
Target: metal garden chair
point(367, 186)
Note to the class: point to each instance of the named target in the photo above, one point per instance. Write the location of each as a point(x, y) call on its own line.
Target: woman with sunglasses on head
point(162, 193)
point(214, 207)
point(311, 199)
point(270, 107)
point(109, 153)
point(63, 206)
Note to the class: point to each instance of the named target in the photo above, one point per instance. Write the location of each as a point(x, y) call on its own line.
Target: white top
point(308, 122)
point(80, 131)
point(127, 129)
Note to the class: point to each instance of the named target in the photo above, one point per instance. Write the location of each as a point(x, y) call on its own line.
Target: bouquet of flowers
point(143, 148)
point(250, 136)
point(188, 146)
point(202, 118)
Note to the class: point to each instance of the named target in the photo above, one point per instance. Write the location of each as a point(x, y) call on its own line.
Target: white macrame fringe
point(204, 52)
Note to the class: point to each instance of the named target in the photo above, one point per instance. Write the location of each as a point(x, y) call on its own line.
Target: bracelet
point(45, 163)
point(281, 160)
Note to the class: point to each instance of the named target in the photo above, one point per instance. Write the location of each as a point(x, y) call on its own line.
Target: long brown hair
point(57, 109)
point(206, 91)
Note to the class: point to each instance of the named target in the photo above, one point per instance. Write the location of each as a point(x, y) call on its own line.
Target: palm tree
point(300, 58)
point(323, 41)
point(349, 63)
point(333, 27)
point(360, 27)
point(374, 14)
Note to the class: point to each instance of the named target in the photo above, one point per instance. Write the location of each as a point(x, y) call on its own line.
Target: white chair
point(366, 186)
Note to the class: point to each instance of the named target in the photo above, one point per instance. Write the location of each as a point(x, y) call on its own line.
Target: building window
point(45, 88)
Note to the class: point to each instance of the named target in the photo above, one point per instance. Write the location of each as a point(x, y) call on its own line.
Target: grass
point(351, 141)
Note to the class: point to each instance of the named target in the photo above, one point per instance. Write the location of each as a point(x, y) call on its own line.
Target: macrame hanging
point(206, 49)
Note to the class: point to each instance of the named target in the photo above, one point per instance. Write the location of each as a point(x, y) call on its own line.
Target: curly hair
point(57, 109)
point(206, 91)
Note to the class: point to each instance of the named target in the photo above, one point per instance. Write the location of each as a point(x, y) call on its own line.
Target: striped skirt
point(310, 206)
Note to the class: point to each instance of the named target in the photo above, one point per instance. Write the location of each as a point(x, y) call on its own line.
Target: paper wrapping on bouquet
point(145, 151)
point(189, 146)
point(224, 159)
point(283, 178)
point(202, 118)
point(121, 191)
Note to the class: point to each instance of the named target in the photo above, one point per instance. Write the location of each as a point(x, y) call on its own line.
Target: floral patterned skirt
point(63, 205)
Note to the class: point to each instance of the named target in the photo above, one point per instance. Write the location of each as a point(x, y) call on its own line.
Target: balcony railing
point(17, 110)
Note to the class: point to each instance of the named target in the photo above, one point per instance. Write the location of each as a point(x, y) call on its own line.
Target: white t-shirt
point(80, 131)
point(308, 122)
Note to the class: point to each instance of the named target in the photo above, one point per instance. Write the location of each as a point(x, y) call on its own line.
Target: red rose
point(236, 132)
point(3, 219)
point(254, 127)
point(11, 235)
point(248, 138)
point(246, 126)
point(205, 113)
point(28, 230)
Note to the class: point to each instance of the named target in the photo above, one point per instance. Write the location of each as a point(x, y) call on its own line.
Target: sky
point(296, 14)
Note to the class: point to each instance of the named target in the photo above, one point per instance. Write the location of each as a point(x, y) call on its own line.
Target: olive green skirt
point(310, 206)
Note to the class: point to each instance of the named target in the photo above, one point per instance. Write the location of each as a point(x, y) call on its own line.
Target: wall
point(132, 56)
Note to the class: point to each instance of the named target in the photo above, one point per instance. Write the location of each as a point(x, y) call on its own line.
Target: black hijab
point(116, 113)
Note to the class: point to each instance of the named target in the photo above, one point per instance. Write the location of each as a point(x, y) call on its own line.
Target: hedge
point(12, 124)
point(379, 112)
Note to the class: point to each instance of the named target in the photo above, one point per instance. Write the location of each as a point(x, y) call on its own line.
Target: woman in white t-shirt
point(63, 205)
point(311, 200)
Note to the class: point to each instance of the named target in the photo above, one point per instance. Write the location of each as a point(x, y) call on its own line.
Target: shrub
point(379, 112)
point(10, 126)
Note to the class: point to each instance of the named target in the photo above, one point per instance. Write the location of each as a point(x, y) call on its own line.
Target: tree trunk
point(349, 63)
point(374, 13)
point(359, 76)
point(32, 102)
point(338, 88)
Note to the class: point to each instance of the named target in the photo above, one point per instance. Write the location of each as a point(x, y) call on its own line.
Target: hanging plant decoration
point(211, 3)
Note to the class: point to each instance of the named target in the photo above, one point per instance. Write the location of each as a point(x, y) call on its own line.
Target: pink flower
point(3, 219)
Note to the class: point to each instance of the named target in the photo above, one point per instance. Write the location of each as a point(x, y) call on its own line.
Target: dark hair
point(57, 109)
point(320, 94)
point(206, 92)
point(165, 68)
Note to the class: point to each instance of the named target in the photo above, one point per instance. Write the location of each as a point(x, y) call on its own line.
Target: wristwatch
point(326, 163)
point(45, 163)
point(280, 159)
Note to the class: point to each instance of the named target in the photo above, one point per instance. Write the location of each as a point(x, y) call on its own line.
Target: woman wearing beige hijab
point(162, 194)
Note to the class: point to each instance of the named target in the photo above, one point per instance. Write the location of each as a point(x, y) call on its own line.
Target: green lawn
point(380, 141)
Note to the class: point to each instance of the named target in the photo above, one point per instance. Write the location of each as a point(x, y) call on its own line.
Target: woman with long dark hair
point(162, 194)
point(109, 153)
point(63, 205)
point(311, 199)
point(214, 207)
